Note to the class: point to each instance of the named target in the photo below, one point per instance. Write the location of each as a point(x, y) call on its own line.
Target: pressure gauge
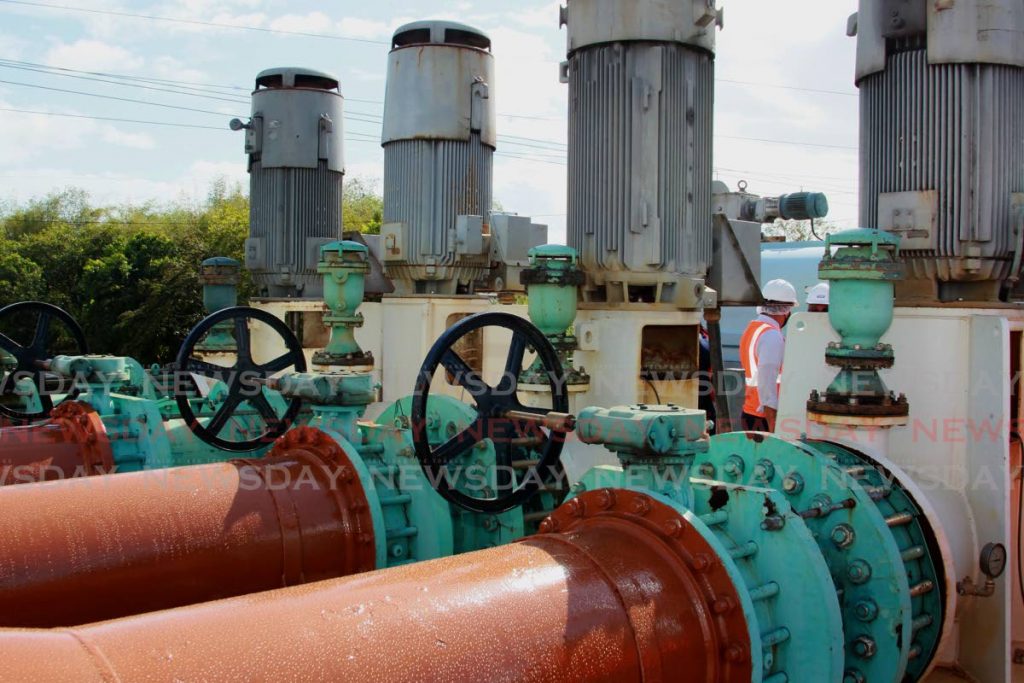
point(993, 560)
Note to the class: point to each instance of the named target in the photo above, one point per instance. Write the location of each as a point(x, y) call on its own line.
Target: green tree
point(69, 206)
point(127, 273)
point(800, 231)
point(20, 278)
point(362, 206)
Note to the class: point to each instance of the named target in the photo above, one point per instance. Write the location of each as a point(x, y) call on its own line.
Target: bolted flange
point(636, 515)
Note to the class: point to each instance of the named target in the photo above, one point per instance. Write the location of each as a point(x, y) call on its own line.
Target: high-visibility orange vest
point(749, 358)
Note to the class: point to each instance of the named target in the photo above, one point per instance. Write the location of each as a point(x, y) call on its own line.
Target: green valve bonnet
point(552, 282)
point(344, 266)
point(219, 277)
point(861, 266)
point(862, 271)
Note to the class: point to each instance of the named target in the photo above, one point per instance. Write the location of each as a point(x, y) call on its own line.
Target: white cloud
point(319, 22)
point(367, 76)
point(38, 136)
point(93, 55)
point(230, 19)
point(12, 46)
point(171, 68)
point(122, 138)
point(120, 188)
point(202, 7)
point(313, 22)
point(363, 28)
point(543, 16)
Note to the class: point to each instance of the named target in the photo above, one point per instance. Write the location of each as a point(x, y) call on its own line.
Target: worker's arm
point(770, 350)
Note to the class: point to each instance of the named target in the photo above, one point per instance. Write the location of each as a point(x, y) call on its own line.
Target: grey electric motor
point(942, 140)
point(439, 141)
point(641, 97)
point(295, 143)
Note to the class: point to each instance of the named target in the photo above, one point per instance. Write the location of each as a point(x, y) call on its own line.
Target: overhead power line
point(780, 86)
point(193, 22)
point(369, 41)
point(187, 85)
point(113, 97)
point(784, 142)
point(355, 116)
point(111, 118)
point(198, 87)
point(209, 95)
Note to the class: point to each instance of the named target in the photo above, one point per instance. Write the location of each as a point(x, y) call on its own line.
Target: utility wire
point(113, 97)
point(193, 22)
point(368, 138)
point(786, 175)
point(781, 142)
point(329, 36)
point(779, 86)
point(545, 145)
point(199, 91)
point(213, 87)
point(193, 85)
point(111, 118)
point(206, 95)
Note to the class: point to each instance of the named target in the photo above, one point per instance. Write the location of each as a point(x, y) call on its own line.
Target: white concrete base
point(954, 365)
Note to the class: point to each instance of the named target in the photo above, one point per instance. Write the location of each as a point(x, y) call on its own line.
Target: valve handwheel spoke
point(262, 405)
point(209, 370)
point(224, 413)
point(245, 380)
point(513, 363)
point(501, 417)
point(279, 364)
point(465, 376)
point(243, 340)
point(31, 353)
point(460, 443)
point(8, 344)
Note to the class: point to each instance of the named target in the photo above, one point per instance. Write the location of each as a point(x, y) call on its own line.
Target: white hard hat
point(818, 294)
point(780, 291)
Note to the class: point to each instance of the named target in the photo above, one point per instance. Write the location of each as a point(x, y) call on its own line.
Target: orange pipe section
point(85, 550)
point(621, 589)
point(72, 443)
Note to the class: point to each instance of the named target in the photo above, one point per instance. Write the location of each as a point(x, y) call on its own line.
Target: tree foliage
point(129, 273)
point(800, 231)
point(362, 206)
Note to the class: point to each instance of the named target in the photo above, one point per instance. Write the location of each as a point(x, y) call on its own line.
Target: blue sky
point(784, 69)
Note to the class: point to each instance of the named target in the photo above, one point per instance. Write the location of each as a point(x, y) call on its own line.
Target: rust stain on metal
point(85, 550)
point(72, 443)
point(611, 598)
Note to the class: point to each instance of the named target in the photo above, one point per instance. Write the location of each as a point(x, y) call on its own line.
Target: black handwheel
point(244, 379)
point(28, 336)
point(496, 407)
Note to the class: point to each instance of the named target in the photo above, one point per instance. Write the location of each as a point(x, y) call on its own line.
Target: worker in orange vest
point(762, 347)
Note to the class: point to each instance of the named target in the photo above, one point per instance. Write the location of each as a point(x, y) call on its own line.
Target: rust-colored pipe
point(621, 589)
point(72, 443)
point(77, 551)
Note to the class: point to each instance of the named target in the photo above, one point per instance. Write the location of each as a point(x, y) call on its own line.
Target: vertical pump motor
point(942, 164)
point(439, 141)
point(295, 143)
point(641, 91)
